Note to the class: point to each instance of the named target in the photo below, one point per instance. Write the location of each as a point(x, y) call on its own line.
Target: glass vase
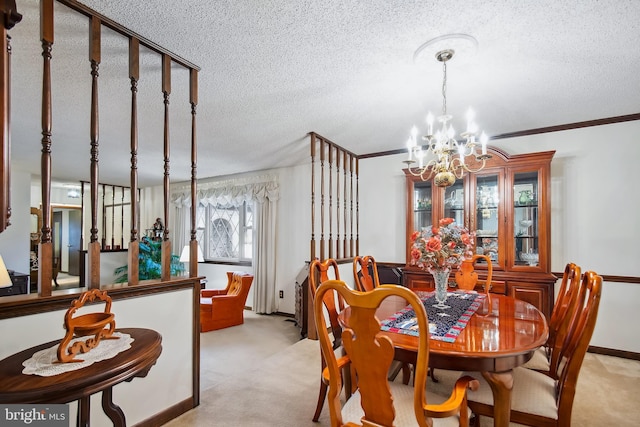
point(441, 280)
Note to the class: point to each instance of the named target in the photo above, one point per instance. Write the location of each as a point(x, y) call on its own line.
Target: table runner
point(442, 328)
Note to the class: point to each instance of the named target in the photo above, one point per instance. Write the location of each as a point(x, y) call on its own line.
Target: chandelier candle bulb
point(410, 148)
point(429, 124)
point(470, 124)
point(483, 141)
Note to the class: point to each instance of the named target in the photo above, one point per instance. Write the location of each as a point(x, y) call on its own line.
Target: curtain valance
point(231, 192)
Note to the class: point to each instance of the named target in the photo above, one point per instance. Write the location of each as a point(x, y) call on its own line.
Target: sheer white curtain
point(264, 249)
point(263, 192)
point(180, 222)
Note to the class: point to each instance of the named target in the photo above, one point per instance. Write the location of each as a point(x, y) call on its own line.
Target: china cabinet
point(507, 205)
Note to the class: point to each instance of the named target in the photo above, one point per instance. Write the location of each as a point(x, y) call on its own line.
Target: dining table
point(500, 335)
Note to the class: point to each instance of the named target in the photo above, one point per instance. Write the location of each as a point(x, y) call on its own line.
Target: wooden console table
point(80, 384)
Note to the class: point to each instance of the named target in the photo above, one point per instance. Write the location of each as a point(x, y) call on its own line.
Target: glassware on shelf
point(530, 257)
point(525, 224)
point(424, 204)
point(526, 197)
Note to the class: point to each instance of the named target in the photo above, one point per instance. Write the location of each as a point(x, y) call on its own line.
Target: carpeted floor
point(261, 374)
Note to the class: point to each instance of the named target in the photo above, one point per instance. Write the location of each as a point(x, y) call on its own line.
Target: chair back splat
point(547, 357)
point(378, 402)
point(577, 341)
point(319, 272)
point(365, 273)
point(562, 316)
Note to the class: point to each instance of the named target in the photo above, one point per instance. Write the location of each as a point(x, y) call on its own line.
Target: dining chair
point(319, 272)
point(365, 273)
point(539, 399)
point(376, 401)
point(549, 354)
point(467, 278)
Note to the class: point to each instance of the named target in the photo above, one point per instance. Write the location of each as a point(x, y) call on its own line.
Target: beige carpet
point(260, 374)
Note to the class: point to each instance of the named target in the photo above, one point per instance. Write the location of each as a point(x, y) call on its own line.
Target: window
point(225, 232)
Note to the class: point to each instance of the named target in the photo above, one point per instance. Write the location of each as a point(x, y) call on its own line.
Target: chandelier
point(444, 156)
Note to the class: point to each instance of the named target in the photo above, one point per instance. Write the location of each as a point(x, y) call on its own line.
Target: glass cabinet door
point(454, 202)
point(486, 216)
point(422, 205)
point(525, 218)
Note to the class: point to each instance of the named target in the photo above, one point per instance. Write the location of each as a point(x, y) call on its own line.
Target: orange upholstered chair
point(221, 308)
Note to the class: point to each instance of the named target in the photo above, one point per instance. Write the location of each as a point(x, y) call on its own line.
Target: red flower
point(441, 246)
point(466, 239)
point(433, 244)
point(446, 221)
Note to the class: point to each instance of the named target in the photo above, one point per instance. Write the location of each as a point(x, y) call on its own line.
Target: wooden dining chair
point(467, 278)
point(539, 399)
point(365, 273)
point(378, 402)
point(319, 272)
point(559, 322)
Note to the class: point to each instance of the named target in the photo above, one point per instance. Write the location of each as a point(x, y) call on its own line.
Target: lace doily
point(44, 362)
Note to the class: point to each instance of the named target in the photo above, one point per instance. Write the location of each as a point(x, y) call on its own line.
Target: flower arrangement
point(441, 248)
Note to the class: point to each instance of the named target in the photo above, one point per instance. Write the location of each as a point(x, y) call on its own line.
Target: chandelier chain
point(444, 88)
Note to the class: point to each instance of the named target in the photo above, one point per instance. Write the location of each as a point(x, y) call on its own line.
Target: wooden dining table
point(501, 335)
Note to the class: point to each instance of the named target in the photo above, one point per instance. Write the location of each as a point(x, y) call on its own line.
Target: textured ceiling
point(271, 71)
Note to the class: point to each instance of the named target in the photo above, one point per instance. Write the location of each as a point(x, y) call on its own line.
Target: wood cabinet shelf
point(507, 205)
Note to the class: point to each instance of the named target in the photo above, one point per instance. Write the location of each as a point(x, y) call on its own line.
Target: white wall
point(14, 241)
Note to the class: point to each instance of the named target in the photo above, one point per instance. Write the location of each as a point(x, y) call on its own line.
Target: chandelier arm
point(431, 174)
point(420, 171)
point(457, 168)
point(468, 169)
